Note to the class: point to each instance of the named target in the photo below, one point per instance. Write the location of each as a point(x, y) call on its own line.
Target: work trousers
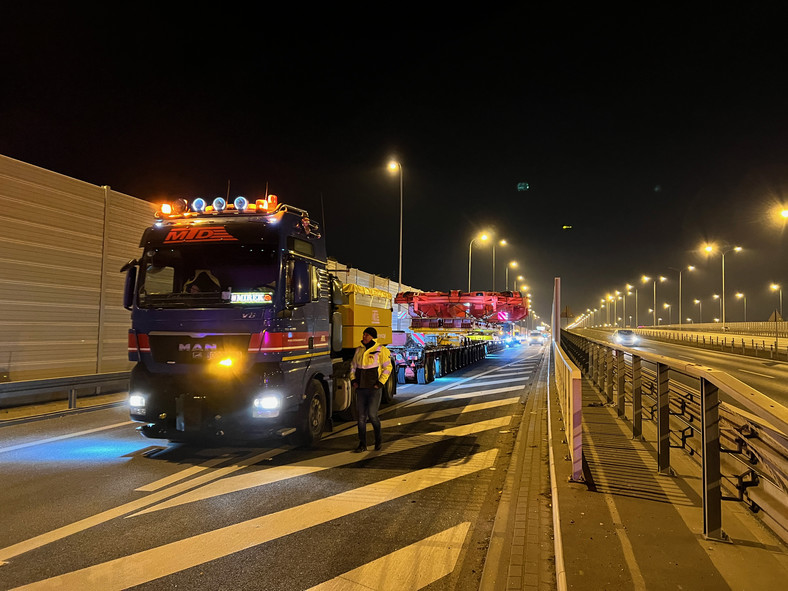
point(367, 404)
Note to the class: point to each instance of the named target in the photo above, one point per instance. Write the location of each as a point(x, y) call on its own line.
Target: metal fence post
point(620, 376)
point(663, 419)
point(712, 487)
point(609, 374)
point(637, 399)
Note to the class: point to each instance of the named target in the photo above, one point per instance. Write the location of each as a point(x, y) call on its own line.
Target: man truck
point(237, 328)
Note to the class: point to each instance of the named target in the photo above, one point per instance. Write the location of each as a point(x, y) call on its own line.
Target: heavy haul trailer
point(450, 330)
point(237, 328)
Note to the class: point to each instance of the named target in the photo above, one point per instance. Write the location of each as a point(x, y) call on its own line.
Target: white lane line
point(161, 561)
point(412, 567)
point(83, 524)
point(432, 415)
point(61, 437)
point(183, 474)
point(506, 374)
point(466, 395)
point(492, 383)
point(755, 373)
point(313, 465)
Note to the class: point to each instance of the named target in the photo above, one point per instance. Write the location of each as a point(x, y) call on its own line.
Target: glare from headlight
point(267, 402)
point(267, 406)
point(137, 401)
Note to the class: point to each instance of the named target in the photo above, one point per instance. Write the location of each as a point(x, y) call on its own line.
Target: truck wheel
point(401, 374)
point(389, 389)
point(311, 416)
point(421, 378)
point(351, 412)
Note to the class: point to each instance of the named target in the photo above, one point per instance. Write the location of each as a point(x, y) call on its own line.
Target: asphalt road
point(765, 375)
point(89, 504)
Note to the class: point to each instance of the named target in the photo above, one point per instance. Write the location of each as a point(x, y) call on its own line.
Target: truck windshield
point(215, 275)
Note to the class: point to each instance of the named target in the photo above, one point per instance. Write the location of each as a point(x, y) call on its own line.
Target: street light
point(710, 249)
point(741, 296)
point(520, 278)
point(670, 312)
point(777, 287)
point(689, 268)
point(717, 297)
point(481, 237)
point(700, 311)
point(646, 279)
point(502, 243)
point(395, 166)
point(513, 265)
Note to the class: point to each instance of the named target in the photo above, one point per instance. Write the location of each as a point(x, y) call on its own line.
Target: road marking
point(755, 373)
point(148, 565)
point(83, 524)
point(61, 437)
point(183, 474)
point(492, 383)
point(434, 414)
point(412, 567)
point(313, 465)
point(466, 395)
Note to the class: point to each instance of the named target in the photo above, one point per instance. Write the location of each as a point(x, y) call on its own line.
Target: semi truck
point(450, 330)
point(237, 327)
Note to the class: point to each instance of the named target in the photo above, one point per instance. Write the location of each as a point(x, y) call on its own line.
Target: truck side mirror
point(128, 290)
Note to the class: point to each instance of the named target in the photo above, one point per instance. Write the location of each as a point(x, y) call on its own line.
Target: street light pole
point(700, 311)
point(470, 251)
point(393, 167)
point(513, 265)
point(710, 248)
point(689, 268)
point(741, 296)
point(502, 243)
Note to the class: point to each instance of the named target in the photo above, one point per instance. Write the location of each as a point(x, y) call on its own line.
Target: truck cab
point(231, 309)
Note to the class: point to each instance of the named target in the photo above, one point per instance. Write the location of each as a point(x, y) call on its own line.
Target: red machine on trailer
point(451, 329)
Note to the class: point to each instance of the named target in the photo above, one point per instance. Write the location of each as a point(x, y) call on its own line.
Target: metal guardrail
point(30, 391)
point(742, 442)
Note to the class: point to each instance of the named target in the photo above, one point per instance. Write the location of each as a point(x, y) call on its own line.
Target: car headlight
point(266, 406)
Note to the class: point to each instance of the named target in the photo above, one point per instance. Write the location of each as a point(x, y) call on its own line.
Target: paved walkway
point(626, 527)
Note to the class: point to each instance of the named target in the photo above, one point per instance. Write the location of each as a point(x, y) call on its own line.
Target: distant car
point(626, 337)
point(511, 341)
point(536, 338)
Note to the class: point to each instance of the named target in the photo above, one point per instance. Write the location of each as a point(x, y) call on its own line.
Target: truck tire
point(421, 377)
point(311, 416)
point(401, 374)
point(389, 389)
point(351, 412)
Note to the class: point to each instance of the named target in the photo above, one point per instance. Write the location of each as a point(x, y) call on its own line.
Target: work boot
point(361, 447)
point(378, 445)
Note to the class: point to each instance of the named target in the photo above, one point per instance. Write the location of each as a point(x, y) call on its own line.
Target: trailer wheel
point(430, 371)
point(311, 416)
point(421, 377)
point(401, 374)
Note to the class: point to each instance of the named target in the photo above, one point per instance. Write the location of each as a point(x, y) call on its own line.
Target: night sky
point(648, 132)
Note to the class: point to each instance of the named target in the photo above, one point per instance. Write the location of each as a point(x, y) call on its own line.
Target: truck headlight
point(137, 403)
point(267, 406)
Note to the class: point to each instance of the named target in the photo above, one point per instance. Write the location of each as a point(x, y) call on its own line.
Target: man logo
point(197, 347)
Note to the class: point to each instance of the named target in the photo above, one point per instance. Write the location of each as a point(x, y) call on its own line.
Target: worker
point(369, 371)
